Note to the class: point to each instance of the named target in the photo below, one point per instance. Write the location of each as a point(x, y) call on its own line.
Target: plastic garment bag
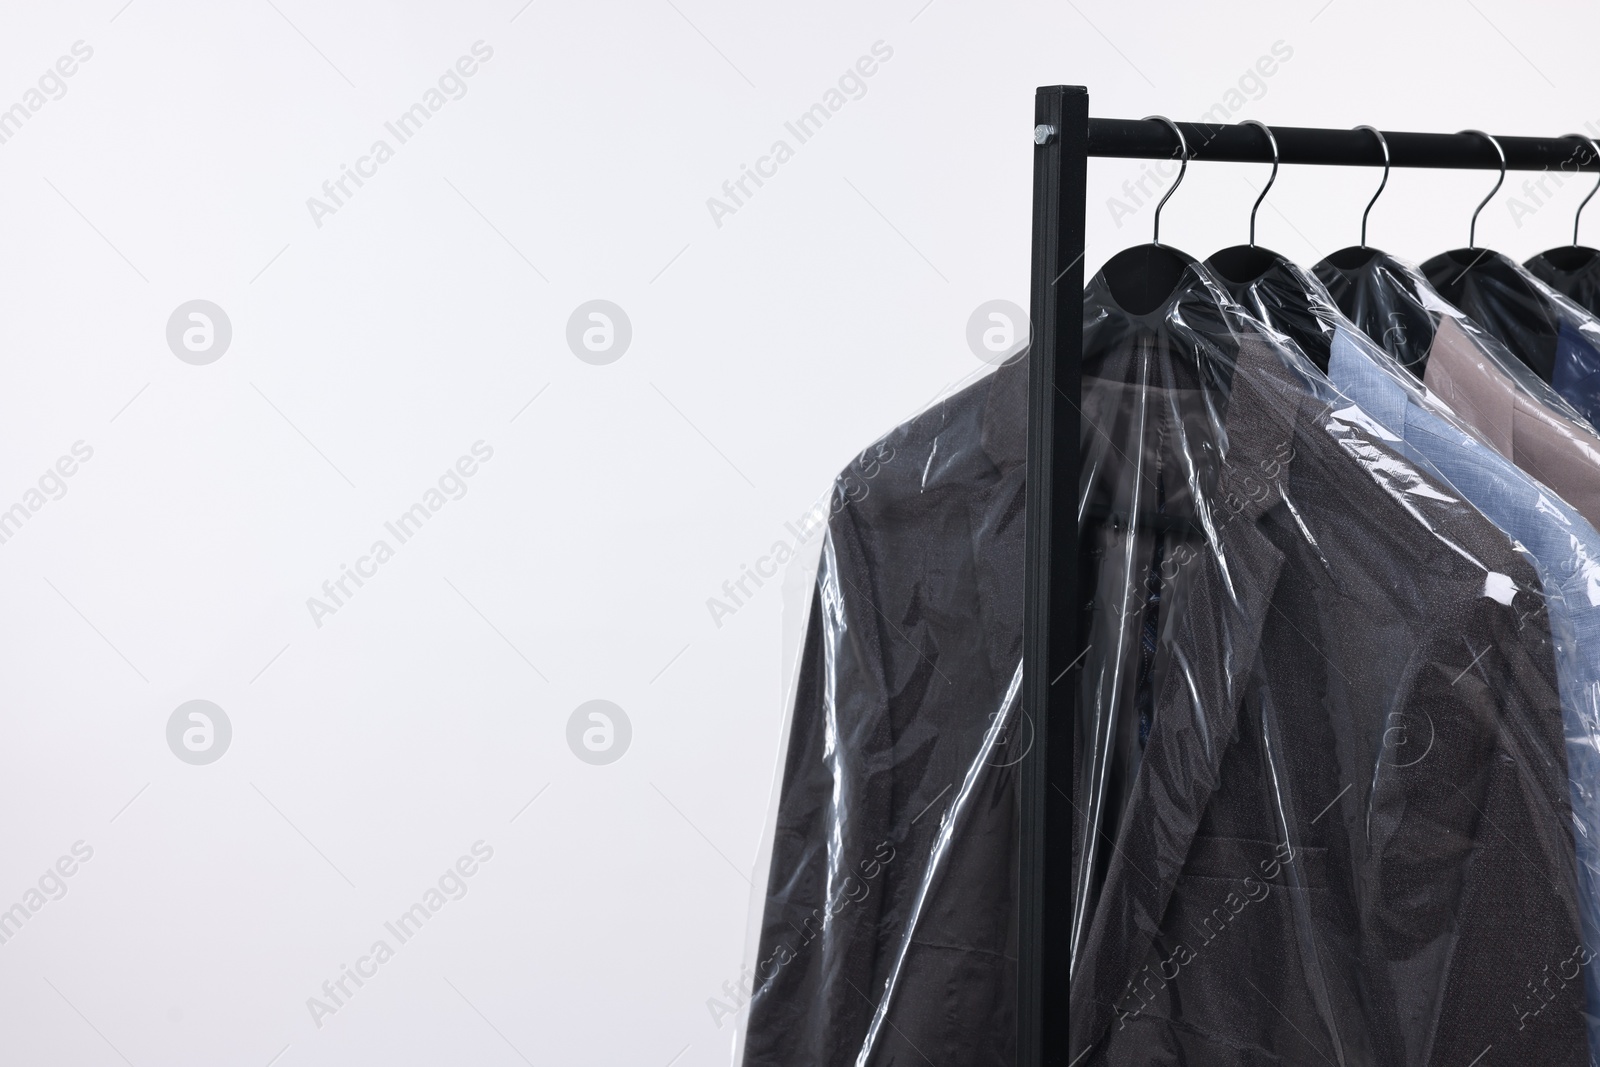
point(1563, 546)
point(1574, 272)
point(1548, 332)
point(1292, 302)
point(887, 933)
point(1323, 781)
point(1488, 388)
point(1322, 797)
point(1392, 303)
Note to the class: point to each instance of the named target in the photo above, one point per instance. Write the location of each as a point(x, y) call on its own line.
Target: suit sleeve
point(813, 987)
point(1472, 869)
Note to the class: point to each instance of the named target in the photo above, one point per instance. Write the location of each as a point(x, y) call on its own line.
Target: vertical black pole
point(1050, 604)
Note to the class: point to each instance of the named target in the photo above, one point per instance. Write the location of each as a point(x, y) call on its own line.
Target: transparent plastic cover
point(1323, 807)
point(888, 919)
point(1545, 330)
point(1324, 781)
point(1489, 388)
point(1561, 543)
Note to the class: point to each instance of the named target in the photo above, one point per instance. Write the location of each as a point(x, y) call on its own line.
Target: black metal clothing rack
point(1064, 138)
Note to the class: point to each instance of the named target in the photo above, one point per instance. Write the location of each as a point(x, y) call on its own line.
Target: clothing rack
point(1065, 137)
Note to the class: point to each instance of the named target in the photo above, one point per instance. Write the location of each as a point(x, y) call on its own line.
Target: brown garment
point(1553, 448)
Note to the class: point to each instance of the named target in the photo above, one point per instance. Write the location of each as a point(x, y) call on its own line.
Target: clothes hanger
point(1270, 286)
point(1358, 255)
point(1393, 313)
point(1247, 261)
point(1572, 257)
point(1496, 292)
point(1141, 278)
point(1472, 227)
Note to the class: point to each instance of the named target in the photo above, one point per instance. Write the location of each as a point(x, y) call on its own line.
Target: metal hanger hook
point(1595, 148)
point(1472, 230)
point(1384, 144)
point(1273, 141)
point(1183, 147)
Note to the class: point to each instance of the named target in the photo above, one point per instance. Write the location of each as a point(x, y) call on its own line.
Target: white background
point(369, 353)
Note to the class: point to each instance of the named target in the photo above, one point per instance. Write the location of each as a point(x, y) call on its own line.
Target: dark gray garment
point(915, 637)
point(1347, 837)
point(1339, 615)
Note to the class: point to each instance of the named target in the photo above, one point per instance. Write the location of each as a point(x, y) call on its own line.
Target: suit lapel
point(1214, 650)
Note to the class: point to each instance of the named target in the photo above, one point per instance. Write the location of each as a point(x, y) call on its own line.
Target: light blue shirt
point(1566, 551)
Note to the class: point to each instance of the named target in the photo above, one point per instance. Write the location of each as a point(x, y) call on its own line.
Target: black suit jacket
point(893, 862)
point(1347, 836)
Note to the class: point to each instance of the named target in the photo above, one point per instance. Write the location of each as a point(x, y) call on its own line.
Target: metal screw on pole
point(1043, 133)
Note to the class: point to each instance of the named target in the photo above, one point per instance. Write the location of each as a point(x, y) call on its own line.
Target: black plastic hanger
point(1555, 265)
point(1574, 256)
point(1269, 285)
point(1495, 292)
point(1140, 280)
point(1403, 325)
point(1143, 277)
point(1244, 262)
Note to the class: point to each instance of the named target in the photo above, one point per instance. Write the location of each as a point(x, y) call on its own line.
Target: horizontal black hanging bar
point(1151, 139)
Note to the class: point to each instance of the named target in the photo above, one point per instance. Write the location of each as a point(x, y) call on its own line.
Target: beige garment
point(1558, 451)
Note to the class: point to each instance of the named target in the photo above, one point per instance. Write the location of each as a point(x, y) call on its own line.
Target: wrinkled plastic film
point(1571, 270)
point(1322, 800)
point(1316, 677)
point(1391, 301)
point(1555, 337)
point(888, 914)
point(1475, 373)
point(1562, 545)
